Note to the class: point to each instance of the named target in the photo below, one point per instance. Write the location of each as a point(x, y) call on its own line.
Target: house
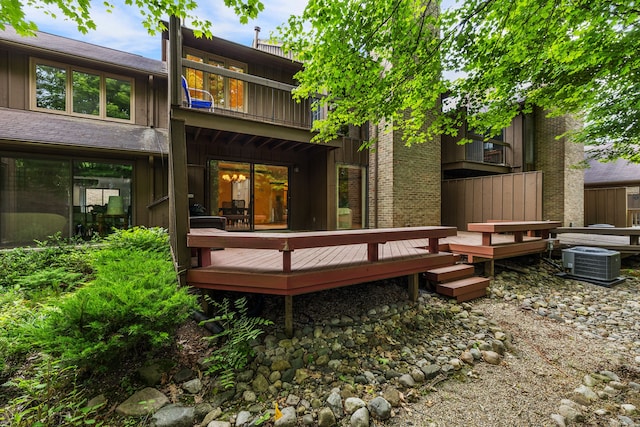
point(249, 154)
point(612, 193)
point(86, 140)
point(525, 173)
point(80, 126)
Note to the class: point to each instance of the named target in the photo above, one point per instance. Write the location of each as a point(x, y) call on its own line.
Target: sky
point(122, 29)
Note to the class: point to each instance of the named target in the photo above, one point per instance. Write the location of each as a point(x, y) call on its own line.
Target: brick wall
point(404, 182)
point(558, 159)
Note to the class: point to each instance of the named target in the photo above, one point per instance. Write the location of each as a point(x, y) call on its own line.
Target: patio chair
point(205, 102)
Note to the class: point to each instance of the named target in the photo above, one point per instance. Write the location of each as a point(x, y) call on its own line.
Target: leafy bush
point(47, 396)
point(51, 254)
point(238, 331)
point(132, 305)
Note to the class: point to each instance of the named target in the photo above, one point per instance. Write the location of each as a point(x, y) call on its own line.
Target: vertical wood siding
point(516, 197)
point(606, 206)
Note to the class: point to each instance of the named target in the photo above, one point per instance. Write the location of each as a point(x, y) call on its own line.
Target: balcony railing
point(250, 97)
point(485, 152)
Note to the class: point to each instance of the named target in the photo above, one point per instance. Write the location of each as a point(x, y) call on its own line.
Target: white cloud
point(123, 30)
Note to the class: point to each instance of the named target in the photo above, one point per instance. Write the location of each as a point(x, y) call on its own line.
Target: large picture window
point(70, 90)
point(40, 197)
point(227, 93)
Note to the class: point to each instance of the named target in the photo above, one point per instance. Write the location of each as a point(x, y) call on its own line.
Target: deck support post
point(489, 268)
point(372, 252)
point(413, 287)
point(286, 261)
point(288, 315)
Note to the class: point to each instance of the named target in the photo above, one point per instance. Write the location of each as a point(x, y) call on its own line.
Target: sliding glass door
point(351, 187)
point(251, 196)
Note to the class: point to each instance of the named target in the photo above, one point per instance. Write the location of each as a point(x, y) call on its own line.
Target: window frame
point(207, 58)
point(69, 70)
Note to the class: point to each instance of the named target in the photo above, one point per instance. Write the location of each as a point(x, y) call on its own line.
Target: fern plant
point(238, 331)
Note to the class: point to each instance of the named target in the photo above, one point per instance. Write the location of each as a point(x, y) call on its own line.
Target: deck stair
point(458, 281)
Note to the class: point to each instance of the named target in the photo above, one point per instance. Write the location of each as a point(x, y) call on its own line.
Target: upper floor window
point(74, 90)
point(228, 93)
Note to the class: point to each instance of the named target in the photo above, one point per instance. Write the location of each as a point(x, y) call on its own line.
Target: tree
point(382, 61)
point(153, 12)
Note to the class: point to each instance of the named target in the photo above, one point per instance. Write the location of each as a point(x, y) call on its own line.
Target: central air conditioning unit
point(591, 263)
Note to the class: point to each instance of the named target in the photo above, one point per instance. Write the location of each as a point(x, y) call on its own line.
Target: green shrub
point(47, 395)
point(235, 349)
point(133, 304)
point(50, 254)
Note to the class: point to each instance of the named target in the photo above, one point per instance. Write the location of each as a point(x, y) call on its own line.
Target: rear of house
point(83, 133)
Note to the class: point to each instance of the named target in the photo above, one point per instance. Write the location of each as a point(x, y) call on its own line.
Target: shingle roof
point(618, 172)
point(54, 129)
point(68, 47)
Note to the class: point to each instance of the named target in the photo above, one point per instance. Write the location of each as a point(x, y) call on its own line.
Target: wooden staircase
point(458, 281)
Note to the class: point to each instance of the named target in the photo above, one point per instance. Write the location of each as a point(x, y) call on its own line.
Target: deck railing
point(479, 151)
point(250, 97)
point(633, 217)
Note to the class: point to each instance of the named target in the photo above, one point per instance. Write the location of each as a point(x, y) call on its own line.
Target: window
point(227, 93)
point(40, 197)
point(76, 91)
point(351, 196)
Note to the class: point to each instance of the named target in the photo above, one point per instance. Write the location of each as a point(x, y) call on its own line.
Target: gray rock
point(288, 418)
point(221, 398)
point(559, 420)
point(612, 376)
point(173, 416)
point(326, 418)
point(392, 395)
point(151, 374)
point(628, 409)
point(183, 375)
point(491, 357)
point(219, 424)
point(334, 402)
point(379, 408)
point(360, 418)
point(144, 402)
point(589, 381)
point(430, 371)
point(406, 380)
point(211, 416)
point(260, 384)
point(98, 401)
point(243, 418)
point(202, 410)
point(280, 365)
point(586, 392)
point(352, 404)
point(570, 414)
point(626, 421)
point(249, 396)
point(292, 400)
point(193, 386)
point(308, 420)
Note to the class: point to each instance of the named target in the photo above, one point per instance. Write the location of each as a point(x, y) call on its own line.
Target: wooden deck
point(295, 263)
point(502, 239)
point(621, 239)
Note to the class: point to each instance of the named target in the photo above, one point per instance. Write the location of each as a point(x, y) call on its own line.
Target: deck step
point(462, 287)
point(449, 273)
point(472, 295)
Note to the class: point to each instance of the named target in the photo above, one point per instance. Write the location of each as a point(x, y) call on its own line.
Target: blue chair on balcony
point(204, 102)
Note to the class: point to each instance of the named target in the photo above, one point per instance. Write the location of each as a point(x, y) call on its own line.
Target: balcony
point(485, 152)
point(248, 97)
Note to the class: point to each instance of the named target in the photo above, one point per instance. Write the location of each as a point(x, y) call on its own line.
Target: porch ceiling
point(222, 137)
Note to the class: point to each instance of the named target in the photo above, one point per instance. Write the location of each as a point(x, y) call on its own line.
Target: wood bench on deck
point(632, 232)
point(537, 231)
point(361, 260)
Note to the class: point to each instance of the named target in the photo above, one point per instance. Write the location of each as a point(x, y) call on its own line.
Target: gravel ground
point(549, 359)
point(539, 350)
